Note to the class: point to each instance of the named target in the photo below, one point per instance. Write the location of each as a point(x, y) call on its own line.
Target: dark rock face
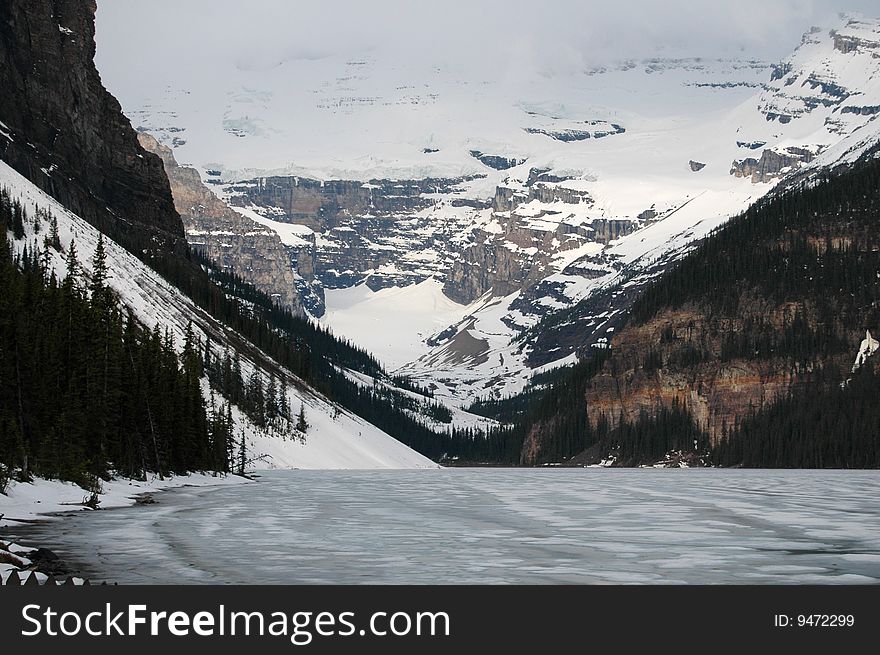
point(498, 162)
point(696, 166)
point(850, 42)
point(552, 193)
point(565, 136)
point(845, 44)
point(835, 91)
point(62, 130)
point(541, 186)
point(782, 118)
point(322, 205)
point(521, 256)
point(771, 164)
point(394, 233)
point(544, 175)
point(483, 267)
point(751, 145)
point(600, 131)
point(778, 71)
point(862, 111)
point(507, 199)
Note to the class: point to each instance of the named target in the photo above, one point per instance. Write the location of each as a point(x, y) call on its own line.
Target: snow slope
point(393, 322)
point(337, 439)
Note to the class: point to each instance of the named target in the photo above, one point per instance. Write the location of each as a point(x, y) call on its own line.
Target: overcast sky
point(262, 33)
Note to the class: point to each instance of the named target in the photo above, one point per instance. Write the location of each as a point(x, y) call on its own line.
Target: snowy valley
point(472, 208)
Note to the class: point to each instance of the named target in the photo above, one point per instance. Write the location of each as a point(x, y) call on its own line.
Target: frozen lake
point(491, 526)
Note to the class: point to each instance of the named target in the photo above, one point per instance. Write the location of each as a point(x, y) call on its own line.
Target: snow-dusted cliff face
point(835, 72)
point(519, 195)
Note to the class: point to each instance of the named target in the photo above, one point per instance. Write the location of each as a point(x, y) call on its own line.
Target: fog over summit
point(495, 34)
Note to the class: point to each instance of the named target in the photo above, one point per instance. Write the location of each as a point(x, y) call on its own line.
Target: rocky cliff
point(532, 224)
point(681, 355)
point(326, 204)
point(393, 233)
point(772, 165)
point(381, 232)
point(236, 243)
point(371, 197)
point(61, 129)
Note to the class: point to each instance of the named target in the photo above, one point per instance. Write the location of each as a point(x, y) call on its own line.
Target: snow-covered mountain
point(447, 211)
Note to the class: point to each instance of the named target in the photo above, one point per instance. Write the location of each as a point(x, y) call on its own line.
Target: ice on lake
point(523, 526)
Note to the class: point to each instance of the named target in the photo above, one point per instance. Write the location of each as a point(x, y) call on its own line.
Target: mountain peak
point(834, 75)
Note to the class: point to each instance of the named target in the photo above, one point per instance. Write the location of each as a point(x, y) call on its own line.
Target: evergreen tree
point(283, 402)
point(272, 399)
point(73, 267)
point(255, 402)
point(302, 425)
point(242, 454)
point(54, 237)
point(98, 283)
point(18, 216)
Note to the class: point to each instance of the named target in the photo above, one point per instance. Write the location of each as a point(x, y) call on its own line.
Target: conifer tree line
point(262, 399)
point(817, 243)
point(317, 356)
point(213, 443)
point(828, 424)
point(86, 389)
point(90, 392)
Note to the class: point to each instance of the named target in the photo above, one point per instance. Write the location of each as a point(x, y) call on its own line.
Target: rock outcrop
point(767, 309)
point(857, 34)
point(62, 130)
point(236, 243)
point(326, 204)
point(498, 162)
point(595, 130)
point(813, 79)
point(536, 221)
point(771, 165)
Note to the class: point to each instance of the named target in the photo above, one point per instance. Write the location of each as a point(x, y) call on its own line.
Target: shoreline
point(19, 515)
